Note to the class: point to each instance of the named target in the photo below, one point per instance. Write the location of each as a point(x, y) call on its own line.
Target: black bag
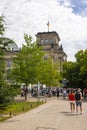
point(77, 96)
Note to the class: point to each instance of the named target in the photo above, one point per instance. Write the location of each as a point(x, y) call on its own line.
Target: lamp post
point(38, 90)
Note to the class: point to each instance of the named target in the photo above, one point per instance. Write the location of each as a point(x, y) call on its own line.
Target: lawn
point(16, 108)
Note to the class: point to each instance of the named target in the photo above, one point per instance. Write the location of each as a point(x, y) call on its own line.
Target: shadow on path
point(68, 113)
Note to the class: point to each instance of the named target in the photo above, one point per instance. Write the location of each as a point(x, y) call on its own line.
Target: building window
point(42, 41)
point(46, 40)
point(51, 40)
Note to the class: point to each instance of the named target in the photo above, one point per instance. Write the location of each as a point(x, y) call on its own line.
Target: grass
point(3, 118)
point(16, 108)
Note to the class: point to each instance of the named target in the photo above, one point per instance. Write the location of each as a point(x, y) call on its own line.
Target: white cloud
point(67, 3)
point(23, 16)
point(84, 1)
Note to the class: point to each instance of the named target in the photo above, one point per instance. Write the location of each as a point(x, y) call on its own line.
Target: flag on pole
point(48, 24)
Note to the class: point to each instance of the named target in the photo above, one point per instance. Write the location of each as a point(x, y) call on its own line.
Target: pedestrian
point(71, 96)
point(64, 93)
point(78, 99)
point(84, 93)
point(57, 92)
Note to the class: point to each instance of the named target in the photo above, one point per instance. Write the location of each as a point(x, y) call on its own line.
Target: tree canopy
point(7, 92)
point(30, 66)
point(76, 72)
point(2, 27)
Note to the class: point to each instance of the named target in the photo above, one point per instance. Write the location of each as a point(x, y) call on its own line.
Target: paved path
point(55, 115)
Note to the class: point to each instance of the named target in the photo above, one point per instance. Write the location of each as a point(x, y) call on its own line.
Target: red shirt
point(71, 97)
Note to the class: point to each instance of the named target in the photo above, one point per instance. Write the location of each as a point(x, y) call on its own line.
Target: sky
point(67, 17)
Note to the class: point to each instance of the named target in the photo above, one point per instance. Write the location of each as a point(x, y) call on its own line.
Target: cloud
point(31, 17)
point(78, 6)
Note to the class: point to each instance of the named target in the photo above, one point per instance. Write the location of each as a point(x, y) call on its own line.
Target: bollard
point(10, 113)
point(31, 105)
point(37, 102)
point(23, 109)
point(42, 101)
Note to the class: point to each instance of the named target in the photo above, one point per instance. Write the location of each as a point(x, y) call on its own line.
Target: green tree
point(76, 72)
point(26, 61)
point(2, 27)
point(30, 66)
point(81, 61)
point(70, 73)
point(3, 40)
point(47, 73)
point(2, 65)
point(6, 91)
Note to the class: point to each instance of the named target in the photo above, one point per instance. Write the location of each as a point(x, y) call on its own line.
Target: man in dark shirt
point(78, 99)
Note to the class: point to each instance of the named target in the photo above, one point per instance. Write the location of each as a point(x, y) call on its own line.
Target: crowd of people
point(73, 95)
point(34, 91)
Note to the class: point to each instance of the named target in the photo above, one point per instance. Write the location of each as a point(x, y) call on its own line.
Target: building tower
point(50, 43)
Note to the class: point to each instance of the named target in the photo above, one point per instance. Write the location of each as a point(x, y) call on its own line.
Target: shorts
point(72, 102)
point(78, 103)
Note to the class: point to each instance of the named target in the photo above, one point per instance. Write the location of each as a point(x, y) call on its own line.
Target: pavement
point(53, 115)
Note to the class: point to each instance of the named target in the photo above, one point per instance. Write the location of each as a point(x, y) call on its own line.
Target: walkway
point(54, 115)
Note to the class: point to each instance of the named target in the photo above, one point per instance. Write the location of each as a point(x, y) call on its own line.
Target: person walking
point(78, 99)
point(57, 92)
point(71, 96)
point(64, 93)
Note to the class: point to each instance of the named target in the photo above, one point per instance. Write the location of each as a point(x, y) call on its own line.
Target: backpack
point(77, 96)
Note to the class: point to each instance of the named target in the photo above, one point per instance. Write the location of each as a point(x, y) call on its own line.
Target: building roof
point(53, 32)
point(8, 44)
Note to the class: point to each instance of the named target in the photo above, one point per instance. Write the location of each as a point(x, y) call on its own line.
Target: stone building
point(10, 49)
point(50, 43)
point(9, 63)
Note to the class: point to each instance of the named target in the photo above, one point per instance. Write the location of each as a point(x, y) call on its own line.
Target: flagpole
point(48, 25)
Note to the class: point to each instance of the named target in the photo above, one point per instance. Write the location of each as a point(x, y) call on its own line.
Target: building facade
point(50, 43)
point(10, 49)
point(9, 55)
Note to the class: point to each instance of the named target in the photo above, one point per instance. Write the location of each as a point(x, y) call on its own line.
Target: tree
point(81, 58)
point(26, 61)
point(48, 73)
point(6, 91)
point(3, 40)
point(76, 72)
point(2, 27)
point(2, 66)
point(70, 73)
point(30, 66)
